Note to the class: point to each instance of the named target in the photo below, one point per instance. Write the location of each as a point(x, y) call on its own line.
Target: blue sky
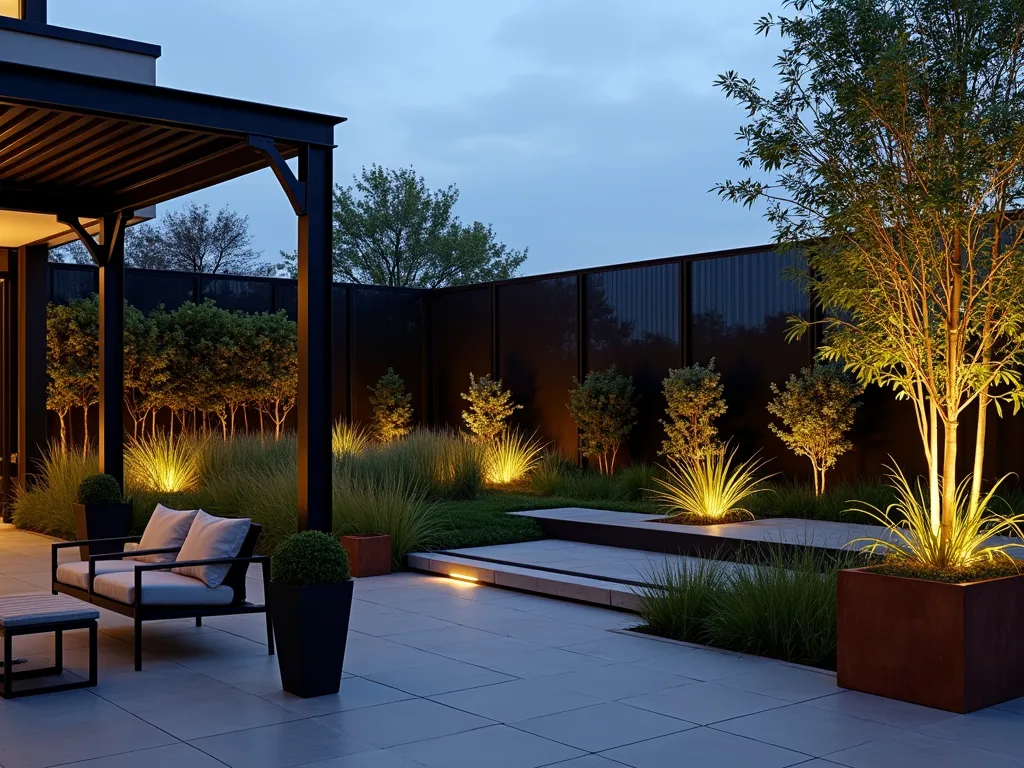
point(587, 130)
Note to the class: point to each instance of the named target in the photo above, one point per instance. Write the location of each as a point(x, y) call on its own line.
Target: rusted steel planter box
point(369, 554)
point(957, 647)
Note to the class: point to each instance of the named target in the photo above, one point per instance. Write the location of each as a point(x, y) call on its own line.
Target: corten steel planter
point(102, 521)
point(957, 647)
point(369, 554)
point(311, 629)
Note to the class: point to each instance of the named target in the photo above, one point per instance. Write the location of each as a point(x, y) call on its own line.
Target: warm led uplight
point(462, 577)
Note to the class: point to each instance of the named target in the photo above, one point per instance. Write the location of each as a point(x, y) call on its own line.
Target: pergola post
point(32, 299)
point(111, 278)
point(314, 392)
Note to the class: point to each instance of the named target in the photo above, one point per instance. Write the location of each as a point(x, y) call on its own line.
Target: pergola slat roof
point(94, 145)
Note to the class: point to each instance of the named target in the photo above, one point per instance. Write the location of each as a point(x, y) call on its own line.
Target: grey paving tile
point(705, 748)
point(706, 665)
point(815, 732)
point(543, 662)
point(356, 692)
point(588, 761)
point(615, 681)
point(704, 703)
point(443, 676)
point(171, 756)
point(432, 639)
point(514, 701)
point(992, 729)
point(785, 682)
point(615, 647)
point(544, 631)
point(402, 722)
point(208, 716)
point(898, 714)
point(370, 656)
point(378, 758)
point(601, 727)
point(493, 647)
point(916, 750)
point(280, 746)
point(497, 746)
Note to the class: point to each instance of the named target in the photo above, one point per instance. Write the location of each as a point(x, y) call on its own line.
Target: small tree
point(603, 408)
point(490, 407)
point(693, 397)
point(72, 361)
point(392, 409)
point(817, 411)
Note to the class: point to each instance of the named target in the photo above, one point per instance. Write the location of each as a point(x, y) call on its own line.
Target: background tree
point(145, 365)
point(817, 411)
point(72, 362)
point(490, 407)
point(197, 240)
point(276, 382)
point(895, 146)
point(693, 397)
point(389, 229)
point(604, 409)
point(392, 408)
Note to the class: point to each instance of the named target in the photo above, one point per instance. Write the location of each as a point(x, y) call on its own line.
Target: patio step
point(539, 580)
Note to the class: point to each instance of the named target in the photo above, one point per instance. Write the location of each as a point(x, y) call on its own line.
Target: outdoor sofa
point(147, 583)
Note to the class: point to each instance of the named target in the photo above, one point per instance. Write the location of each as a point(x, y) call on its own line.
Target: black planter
point(102, 521)
point(311, 628)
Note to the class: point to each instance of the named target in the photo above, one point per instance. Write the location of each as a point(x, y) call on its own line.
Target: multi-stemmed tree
point(894, 149)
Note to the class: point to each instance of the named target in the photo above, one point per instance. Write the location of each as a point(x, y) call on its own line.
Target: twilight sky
point(587, 130)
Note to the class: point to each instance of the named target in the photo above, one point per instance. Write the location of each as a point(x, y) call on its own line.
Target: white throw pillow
point(212, 538)
point(166, 528)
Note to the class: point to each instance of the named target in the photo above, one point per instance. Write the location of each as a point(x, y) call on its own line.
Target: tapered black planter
point(311, 628)
point(102, 521)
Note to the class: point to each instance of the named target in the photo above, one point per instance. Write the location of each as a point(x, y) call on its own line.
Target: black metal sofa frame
point(140, 612)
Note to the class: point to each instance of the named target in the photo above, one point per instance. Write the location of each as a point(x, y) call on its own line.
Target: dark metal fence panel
point(633, 323)
point(387, 331)
point(339, 349)
point(538, 354)
point(241, 294)
point(739, 310)
point(71, 282)
point(147, 290)
point(461, 335)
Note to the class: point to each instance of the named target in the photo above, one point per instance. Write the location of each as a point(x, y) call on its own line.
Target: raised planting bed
point(952, 646)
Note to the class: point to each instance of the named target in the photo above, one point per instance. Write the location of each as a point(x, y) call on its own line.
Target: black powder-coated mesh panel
point(70, 283)
point(339, 348)
point(538, 354)
point(461, 322)
point(740, 305)
point(147, 290)
point(633, 323)
point(288, 297)
point(239, 293)
point(387, 331)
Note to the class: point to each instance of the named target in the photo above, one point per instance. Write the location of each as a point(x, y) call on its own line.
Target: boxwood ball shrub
point(99, 489)
point(308, 558)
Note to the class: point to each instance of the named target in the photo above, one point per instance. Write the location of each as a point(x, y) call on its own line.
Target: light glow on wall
point(10, 8)
point(463, 577)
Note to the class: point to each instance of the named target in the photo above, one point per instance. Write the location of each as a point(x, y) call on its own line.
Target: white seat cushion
point(77, 574)
point(161, 588)
point(166, 528)
point(31, 610)
point(212, 538)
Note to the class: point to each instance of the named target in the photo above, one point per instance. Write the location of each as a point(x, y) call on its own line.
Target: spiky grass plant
point(510, 456)
point(164, 463)
point(349, 439)
point(46, 506)
point(710, 490)
point(444, 464)
point(681, 596)
point(392, 506)
point(914, 539)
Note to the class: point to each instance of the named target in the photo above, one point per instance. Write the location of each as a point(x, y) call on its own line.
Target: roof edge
point(81, 37)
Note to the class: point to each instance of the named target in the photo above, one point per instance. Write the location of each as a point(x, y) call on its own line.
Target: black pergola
point(81, 147)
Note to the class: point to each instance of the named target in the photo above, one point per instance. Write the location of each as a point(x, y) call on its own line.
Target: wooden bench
point(35, 615)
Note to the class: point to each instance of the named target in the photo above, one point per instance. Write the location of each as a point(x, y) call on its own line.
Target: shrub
point(510, 456)
point(349, 439)
point(164, 463)
point(603, 408)
point(712, 489)
point(634, 483)
point(392, 409)
point(586, 486)
point(490, 407)
point(693, 397)
point(99, 489)
point(817, 412)
point(308, 558)
point(681, 597)
point(546, 477)
point(391, 506)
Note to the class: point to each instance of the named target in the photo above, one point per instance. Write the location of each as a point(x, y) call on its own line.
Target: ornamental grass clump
point(510, 456)
point(915, 543)
point(711, 490)
point(164, 463)
point(46, 506)
point(309, 558)
point(349, 439)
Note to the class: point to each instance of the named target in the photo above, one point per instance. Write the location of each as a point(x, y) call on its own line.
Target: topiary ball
point(99, 489)
point(308, 558)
